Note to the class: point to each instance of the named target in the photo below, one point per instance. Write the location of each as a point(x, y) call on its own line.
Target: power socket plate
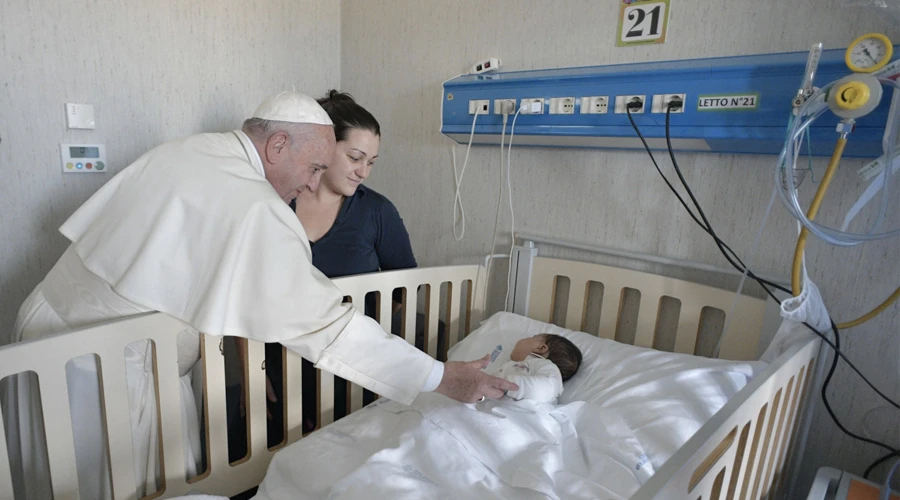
point(661, 101)
point(623, 100)
point(595, 105)
point(562, 105)
point(482, 105)
point(504, 106)
point(532, 106)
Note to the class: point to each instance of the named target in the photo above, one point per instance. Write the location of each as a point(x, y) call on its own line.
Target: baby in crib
point(539, 365)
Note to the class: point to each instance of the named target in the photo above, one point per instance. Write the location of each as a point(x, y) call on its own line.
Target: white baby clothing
point(538, 379)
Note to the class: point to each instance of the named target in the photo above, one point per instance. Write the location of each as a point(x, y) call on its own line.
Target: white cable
point(737, 294)
point(499, 202)
point(457, 200)
point(512, 213)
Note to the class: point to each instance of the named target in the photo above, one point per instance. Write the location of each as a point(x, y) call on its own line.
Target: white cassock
point(194, 230)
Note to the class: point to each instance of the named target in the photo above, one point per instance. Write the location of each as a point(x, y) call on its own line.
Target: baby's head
point(559, 350)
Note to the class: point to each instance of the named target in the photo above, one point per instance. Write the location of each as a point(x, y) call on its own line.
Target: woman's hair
point(347, 115)
point(564, 354)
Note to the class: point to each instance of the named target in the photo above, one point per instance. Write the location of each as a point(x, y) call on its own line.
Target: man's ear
point(277, 146)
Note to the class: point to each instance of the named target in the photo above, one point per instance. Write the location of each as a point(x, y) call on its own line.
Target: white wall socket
point(595, 105)
point(623, 100)
point(661, 102)
point(504, 106)
point(481, 105)
point(562, 105)
point(533, 106)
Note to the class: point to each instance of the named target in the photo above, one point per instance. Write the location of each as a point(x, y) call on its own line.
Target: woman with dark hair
point(352, 229)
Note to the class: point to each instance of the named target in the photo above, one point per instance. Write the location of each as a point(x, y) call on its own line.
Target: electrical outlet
point(533, 106)
point(595, 105)
point(623, 100)
point(504, 106)
point(481, 105)
point(562, 105)
point(491, 64)
point(661, 102)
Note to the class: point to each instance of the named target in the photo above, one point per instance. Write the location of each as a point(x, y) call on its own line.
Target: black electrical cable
point(834, 362)
point(740, 266)
point(879, 462)
point(699, 209)
point(721, 245)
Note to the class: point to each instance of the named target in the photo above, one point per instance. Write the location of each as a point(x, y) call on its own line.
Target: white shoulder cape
point(194, 230)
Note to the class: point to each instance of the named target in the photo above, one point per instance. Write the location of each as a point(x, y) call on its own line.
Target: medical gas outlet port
point(634, 103)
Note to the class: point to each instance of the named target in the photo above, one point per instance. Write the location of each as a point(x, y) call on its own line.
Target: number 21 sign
point(642, 21)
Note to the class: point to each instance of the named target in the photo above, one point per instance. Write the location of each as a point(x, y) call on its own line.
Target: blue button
point(79, 165)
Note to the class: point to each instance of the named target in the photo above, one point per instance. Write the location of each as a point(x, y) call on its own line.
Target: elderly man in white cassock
point(200, 229)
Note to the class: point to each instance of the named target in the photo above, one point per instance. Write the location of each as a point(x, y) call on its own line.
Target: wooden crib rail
point(741, 452)
point(546, 298)
point(48, 357)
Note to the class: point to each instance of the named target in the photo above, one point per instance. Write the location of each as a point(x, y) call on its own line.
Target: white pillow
point(665, 397)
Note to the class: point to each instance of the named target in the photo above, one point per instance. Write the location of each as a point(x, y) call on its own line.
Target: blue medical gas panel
point(731, 105)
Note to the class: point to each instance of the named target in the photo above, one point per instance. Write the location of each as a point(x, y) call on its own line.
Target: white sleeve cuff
point(434, 379)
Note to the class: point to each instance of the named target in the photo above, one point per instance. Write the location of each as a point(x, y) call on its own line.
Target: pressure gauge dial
point(869, 53)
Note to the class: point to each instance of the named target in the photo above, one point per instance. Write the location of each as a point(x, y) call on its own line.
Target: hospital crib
point(746, 450)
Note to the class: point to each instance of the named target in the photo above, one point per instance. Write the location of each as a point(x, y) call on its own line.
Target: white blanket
point(625, 412)
point(438, 448)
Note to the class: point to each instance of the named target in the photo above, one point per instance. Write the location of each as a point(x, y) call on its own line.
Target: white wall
point(395, 54)
point(153, 71)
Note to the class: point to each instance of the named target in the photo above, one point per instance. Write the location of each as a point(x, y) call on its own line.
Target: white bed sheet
point(642, 405)
point(666, 396)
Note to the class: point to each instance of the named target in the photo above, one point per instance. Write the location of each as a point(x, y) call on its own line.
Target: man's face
point(298, 164)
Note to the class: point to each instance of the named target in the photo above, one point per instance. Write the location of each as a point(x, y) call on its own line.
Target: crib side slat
point(170, 410)
point(5, 476)
point(326, 398)
point(214, 394)
point(294, 403)
point(409, 321)
point(646, 320)
point(256, 398)
point(118, 424)
point(688, 326)
point(452, 333)
point(433, 296)
point(575, 308)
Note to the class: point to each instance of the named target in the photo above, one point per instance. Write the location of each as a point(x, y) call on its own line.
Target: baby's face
point(527, 346)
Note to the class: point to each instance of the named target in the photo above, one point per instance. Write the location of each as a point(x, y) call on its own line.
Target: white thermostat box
point(83, 158)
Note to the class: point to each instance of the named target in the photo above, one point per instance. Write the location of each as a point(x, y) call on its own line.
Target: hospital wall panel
point(396, 53)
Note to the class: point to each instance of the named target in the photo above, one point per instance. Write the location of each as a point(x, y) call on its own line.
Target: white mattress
point(620, 417)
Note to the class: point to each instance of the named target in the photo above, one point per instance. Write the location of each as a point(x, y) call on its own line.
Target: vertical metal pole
point(523, 262)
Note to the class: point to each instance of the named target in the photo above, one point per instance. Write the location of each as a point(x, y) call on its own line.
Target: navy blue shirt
point(368, 235)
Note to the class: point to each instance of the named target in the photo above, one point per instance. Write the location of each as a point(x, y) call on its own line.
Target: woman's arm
point(392, 246)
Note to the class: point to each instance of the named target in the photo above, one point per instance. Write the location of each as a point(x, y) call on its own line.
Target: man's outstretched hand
point(467, 383)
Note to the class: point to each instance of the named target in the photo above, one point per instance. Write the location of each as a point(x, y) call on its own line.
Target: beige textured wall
point(153, 71)
point(395, 54)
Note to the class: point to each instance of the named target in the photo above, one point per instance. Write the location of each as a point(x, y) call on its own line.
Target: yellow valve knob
point(852, 95)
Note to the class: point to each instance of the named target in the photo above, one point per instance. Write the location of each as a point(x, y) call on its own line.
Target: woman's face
point(352, 162)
